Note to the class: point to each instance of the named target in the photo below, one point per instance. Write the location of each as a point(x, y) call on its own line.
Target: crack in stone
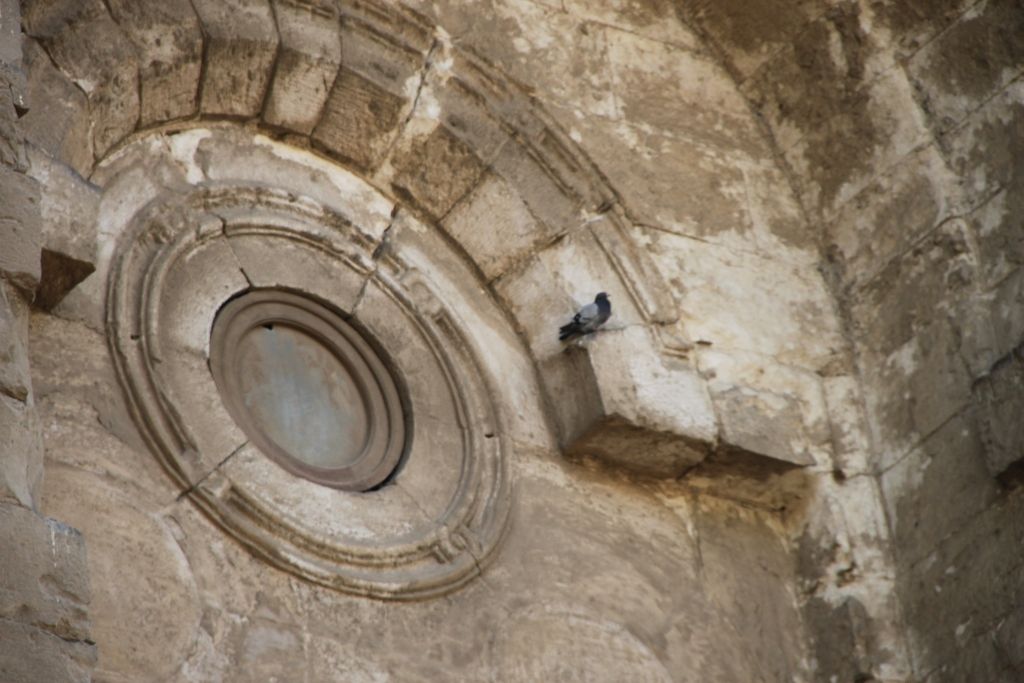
point(191, 489)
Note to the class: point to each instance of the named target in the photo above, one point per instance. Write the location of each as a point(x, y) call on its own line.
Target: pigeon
point(587, 319)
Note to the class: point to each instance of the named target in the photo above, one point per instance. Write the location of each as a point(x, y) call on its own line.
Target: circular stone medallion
point(308, 389)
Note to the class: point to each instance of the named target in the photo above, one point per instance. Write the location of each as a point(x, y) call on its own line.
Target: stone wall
point(490, 201)
point(798, 429)
point(900, 125)
point(44, 585)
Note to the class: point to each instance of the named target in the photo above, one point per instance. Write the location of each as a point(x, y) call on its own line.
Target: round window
point(307, 389)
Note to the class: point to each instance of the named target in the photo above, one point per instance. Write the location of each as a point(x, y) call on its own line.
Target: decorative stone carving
point(179, 260)
point(308, 389)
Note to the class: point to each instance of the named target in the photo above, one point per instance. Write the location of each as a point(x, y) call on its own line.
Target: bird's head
point(603, 296)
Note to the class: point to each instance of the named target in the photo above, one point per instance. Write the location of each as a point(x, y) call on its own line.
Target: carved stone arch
point(444, 140)
point(449, 137)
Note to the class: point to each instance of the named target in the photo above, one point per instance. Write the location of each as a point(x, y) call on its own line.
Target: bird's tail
point(566, 331)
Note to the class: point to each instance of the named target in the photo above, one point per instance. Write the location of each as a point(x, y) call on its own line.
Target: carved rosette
point(179, 260)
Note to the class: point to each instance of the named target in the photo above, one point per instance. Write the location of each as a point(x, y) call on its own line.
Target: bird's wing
point(586, 314)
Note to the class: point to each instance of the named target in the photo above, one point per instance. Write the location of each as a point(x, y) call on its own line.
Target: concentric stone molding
point(369, 448)
point(426, 533)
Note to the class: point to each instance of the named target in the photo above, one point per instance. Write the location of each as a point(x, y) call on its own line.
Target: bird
point(587, 319)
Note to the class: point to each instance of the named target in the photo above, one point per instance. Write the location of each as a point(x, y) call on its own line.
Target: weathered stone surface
point(929, 304)
point(15, 377)
point(152, 612)
point(937, 489)
point(854, 123)
point(766, 409)
point(12, 145)
point(31, 654)
point(985, 149)
point(436, 172)
point(629, 422)
point(915, 23)
point(956, 596)
point(240, 45)
point(169, 46)
point(1000, 399)
point(20, 227)
point(359, 121)
point(57, 120)
point(890, 215)
point(307, 62)
point(86, 44)
point(676, 91)
point(750, 33)
point(915, 289)
point(495, 227)
point(68, 209)
point(21, 468)
point(10, 32)
point(969, 62)
point(46, 581)
point(738, 301)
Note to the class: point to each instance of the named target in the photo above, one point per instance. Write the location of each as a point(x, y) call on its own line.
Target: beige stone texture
point(87, 46)
point(307, 62)
point(168, 40)
point(240, 45)
point(790, 455)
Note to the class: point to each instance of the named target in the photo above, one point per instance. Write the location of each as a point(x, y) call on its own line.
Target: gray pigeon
point(588, 318)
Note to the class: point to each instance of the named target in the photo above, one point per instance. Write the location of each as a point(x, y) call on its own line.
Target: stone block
point(631, 408)
point(495, 227)
point(45, 577)
point(359, 122)
point(58, 117)
point(307, 63)
point(31, 654)
point(752, 33)
point(10, 31)
point(1000, 400)
point(241, 43)
point(915, 289)
point(914, 23)
point(384, 47)
point(540, 187)
point(12, 143)
point(436, 172)
point(15, 377)
point(86, 44)
point(169, 45)
point(734, 300)
point(768, 410)
point(937, 489)
point(21, 457)
point(662, 87)
point(958, 594)
point(969, 62)
point(889, 215)
point(999, 229)
point(145, 620)
point(854, 124)
point(984, 151)
point(68, 206)
point(913, 390)
point(20, 227)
